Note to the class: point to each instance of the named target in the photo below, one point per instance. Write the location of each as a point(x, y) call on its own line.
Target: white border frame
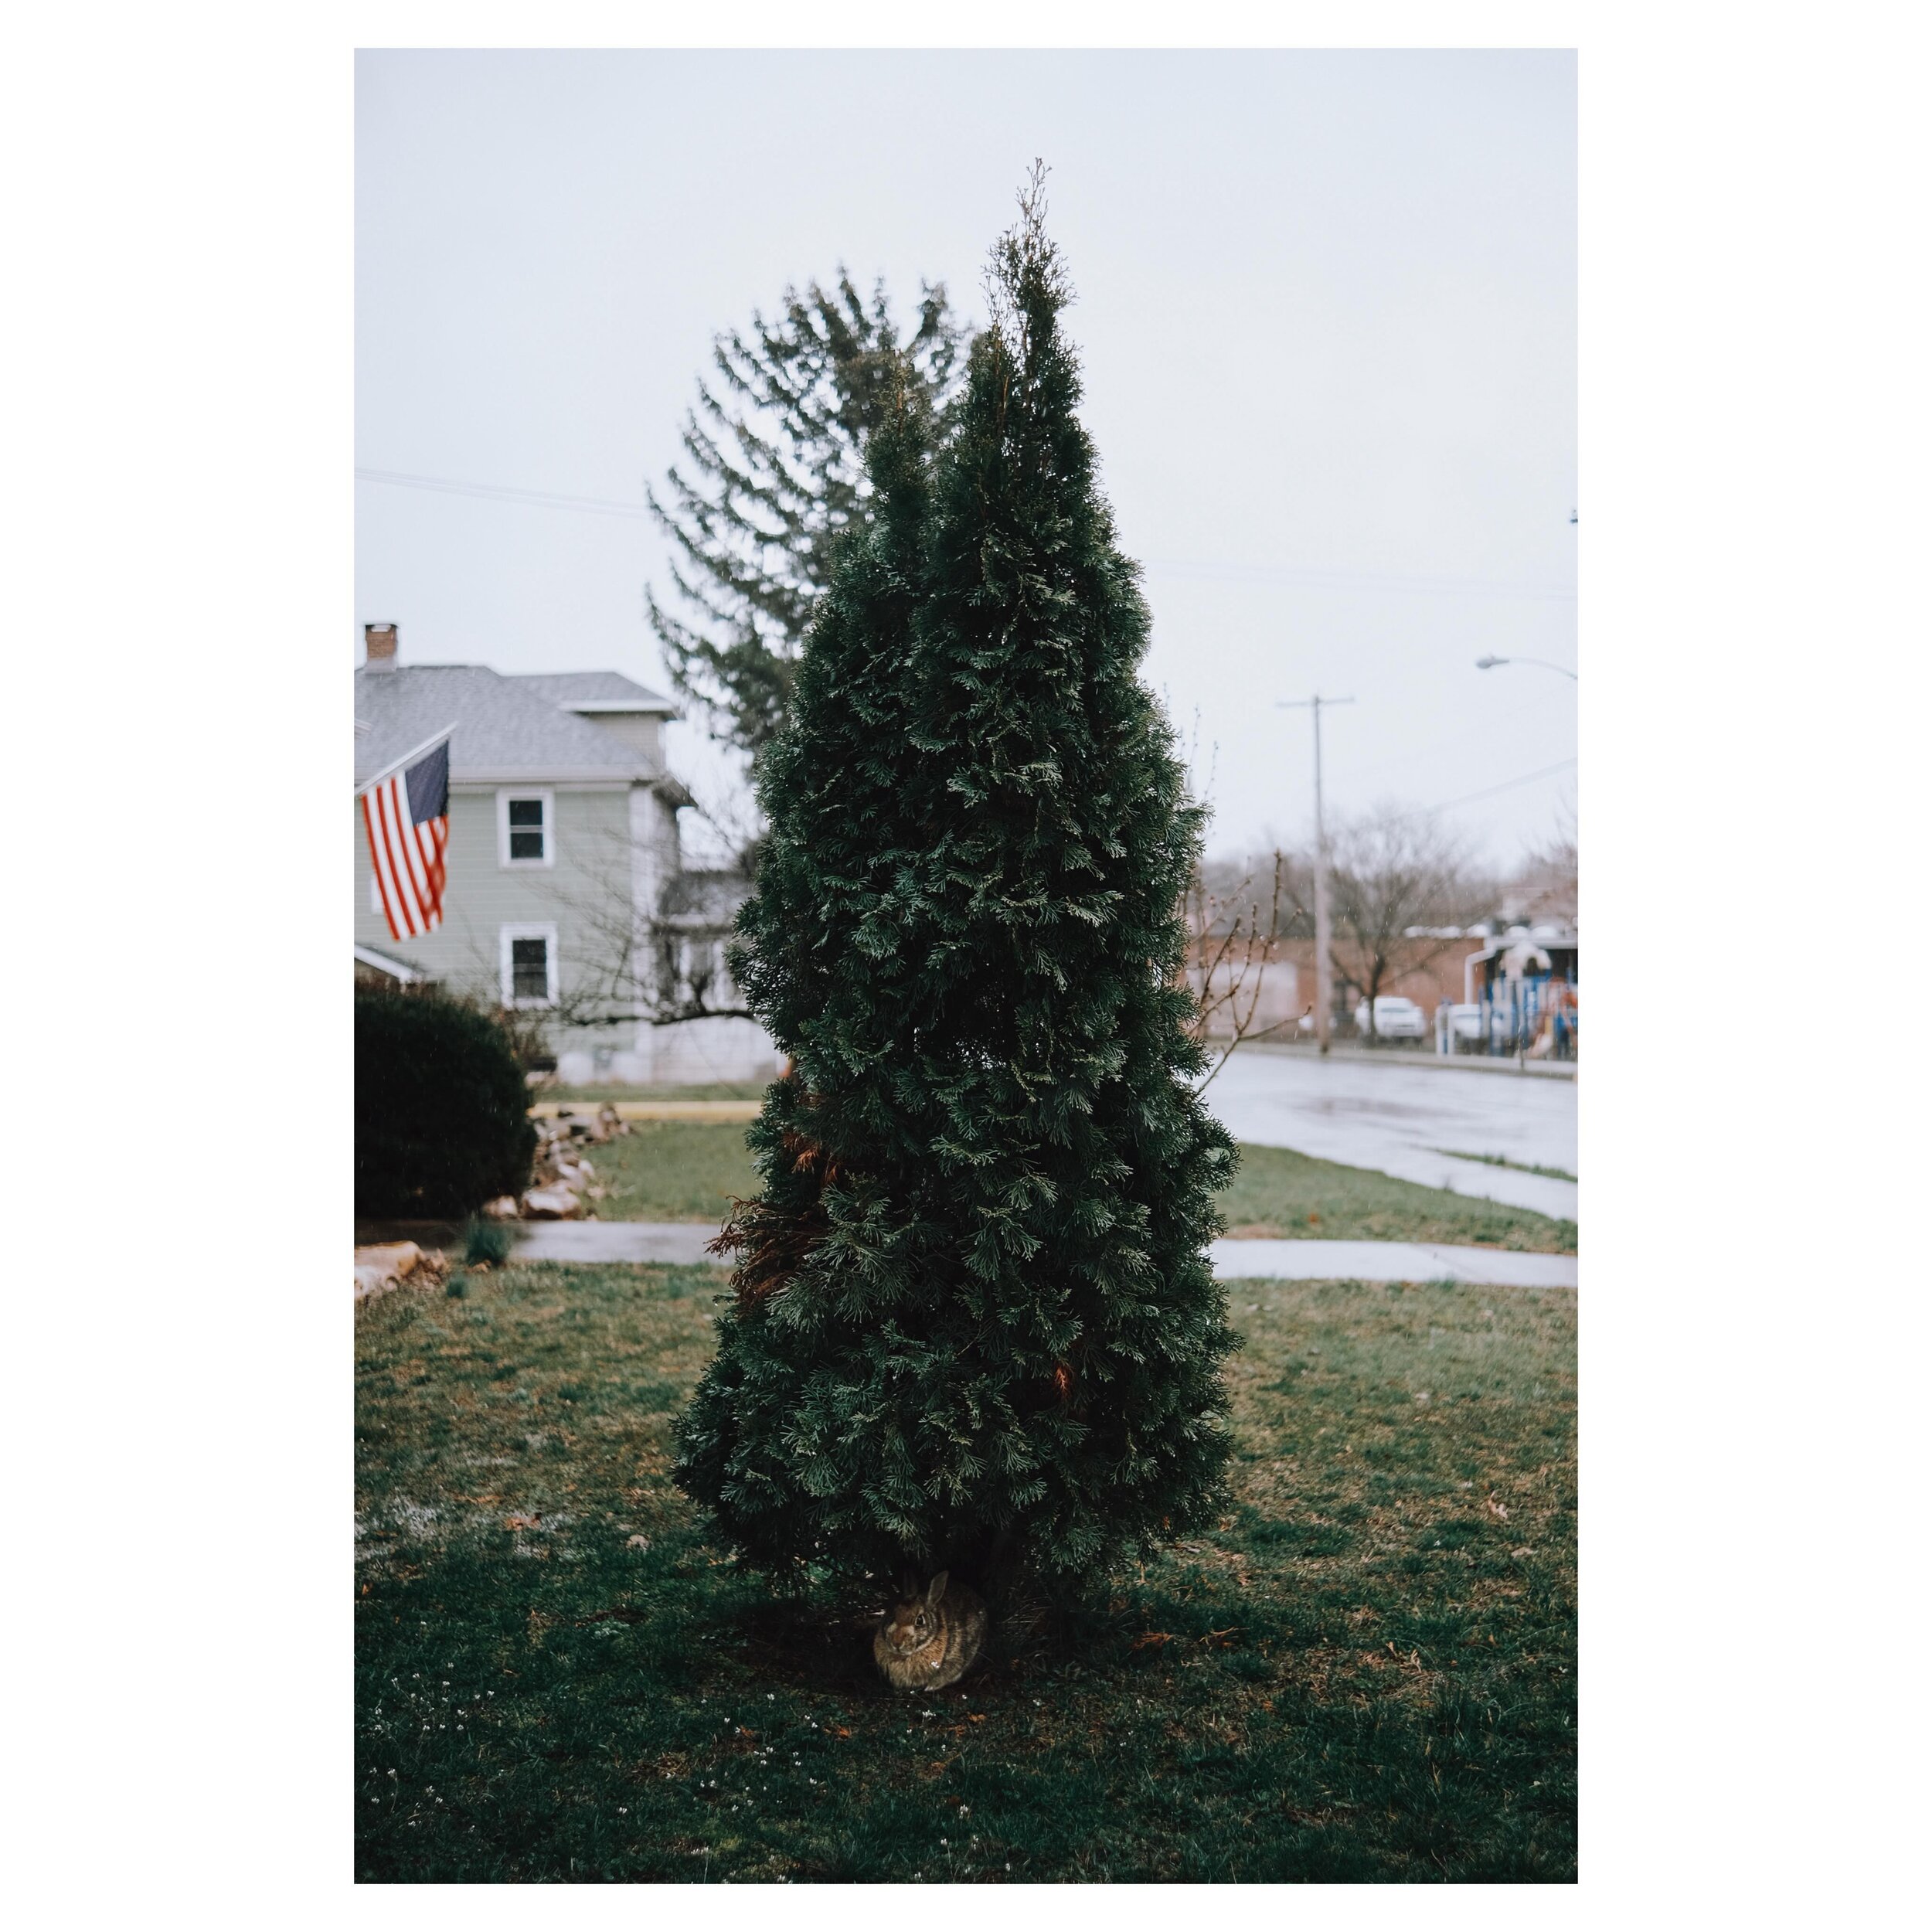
point(526, 929)
point(547, 796)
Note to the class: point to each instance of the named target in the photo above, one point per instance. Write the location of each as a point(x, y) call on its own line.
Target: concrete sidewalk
point(1389, 1261)
point(678, 1243)
point(683, 1244)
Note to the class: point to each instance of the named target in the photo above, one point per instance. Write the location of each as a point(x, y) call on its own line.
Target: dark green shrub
point(441, 1119)
point(485, 1241)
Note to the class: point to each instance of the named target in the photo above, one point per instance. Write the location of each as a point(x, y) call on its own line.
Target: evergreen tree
point(775, 471)
point(975, 1325)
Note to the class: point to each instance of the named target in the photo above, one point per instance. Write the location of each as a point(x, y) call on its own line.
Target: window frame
point(525, 794)
point(506, 964)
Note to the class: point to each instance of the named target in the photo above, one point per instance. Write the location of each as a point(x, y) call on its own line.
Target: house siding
point(642, 734)
point(593, 863)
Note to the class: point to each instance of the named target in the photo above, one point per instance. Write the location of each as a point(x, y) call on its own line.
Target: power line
point(541, 499)
point(1307, 576)
point(1314, 577)
point(1489, 791)
point(1508, 784)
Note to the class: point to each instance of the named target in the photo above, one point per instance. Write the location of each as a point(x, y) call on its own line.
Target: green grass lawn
point(674, 1171)
point(689, 1171)
point(1275, 1192)
point(1366, 1673)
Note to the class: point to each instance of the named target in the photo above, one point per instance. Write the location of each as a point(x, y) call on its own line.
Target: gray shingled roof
point(505, 729)
point(600, 688)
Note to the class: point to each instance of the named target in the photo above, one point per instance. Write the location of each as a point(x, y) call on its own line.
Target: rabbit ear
point(938, 1589)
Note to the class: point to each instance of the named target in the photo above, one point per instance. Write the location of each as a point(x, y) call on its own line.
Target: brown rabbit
point(930, 1640)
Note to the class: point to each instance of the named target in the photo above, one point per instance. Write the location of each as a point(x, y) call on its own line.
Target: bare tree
point(647, 941)
point(1232, 944)
point(1394, 874)
point(663, 962)
point(1546, 881)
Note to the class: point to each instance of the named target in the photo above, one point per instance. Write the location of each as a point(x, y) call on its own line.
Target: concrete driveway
point(1397, 1119)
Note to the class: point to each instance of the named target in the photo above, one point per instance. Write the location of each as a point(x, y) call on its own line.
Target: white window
point(527, 957)
point(526, 828)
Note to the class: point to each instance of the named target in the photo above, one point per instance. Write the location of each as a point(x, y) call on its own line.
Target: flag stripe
point(379, 857)
point(411, 866)
point(408, 861)
point(425, 837)
point(409, 856)
point(429, 842)
point(398, 873)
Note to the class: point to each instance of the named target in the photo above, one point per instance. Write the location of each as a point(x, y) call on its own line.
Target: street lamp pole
point(1490, 664)
point(1324, 977)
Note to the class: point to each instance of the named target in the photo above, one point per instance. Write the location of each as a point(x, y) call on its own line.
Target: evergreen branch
point(772, 477)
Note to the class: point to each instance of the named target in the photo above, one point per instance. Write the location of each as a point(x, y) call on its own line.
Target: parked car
point(1465, 1022)
point(1395, 1018)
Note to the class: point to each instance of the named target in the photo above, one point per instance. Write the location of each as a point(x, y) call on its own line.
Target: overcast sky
point(1326, 307)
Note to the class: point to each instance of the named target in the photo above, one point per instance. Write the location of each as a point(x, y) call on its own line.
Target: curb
point(1440, 1063)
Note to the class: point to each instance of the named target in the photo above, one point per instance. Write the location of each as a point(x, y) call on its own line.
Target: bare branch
point(1231, 946)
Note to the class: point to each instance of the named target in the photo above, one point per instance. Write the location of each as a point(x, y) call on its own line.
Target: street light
point(1490, 664)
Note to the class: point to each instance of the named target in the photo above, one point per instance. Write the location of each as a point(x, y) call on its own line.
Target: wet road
point(1417, 1122)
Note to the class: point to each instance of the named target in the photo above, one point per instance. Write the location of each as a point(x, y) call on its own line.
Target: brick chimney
point(379, 642)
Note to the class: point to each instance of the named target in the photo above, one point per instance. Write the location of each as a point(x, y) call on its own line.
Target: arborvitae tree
point(774, 473)
point(975, 1327)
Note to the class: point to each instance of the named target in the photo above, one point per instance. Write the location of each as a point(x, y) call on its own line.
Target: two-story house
point(565, 882)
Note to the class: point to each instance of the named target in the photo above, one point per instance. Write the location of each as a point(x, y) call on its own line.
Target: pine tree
point(975, 1325)
point(774, 472)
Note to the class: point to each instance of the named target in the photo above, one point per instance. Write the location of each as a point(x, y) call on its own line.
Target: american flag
point(407, 815)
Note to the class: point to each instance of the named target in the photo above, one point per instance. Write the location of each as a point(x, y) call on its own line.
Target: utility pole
point(1324, 971)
